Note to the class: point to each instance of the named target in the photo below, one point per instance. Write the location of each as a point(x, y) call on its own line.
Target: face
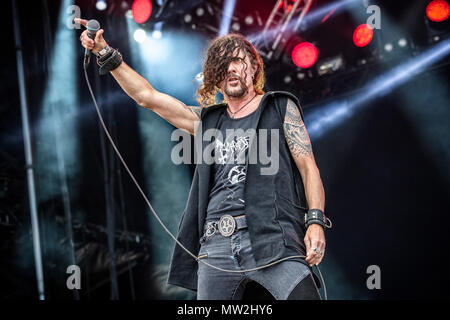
point(239, 76)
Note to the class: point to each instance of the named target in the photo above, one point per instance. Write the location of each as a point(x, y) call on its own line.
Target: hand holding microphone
point(108, 58)
point(91, 38)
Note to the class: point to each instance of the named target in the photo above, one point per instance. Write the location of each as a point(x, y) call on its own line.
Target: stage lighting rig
point(203, 17)
point(284, 20)
point(437, 20)
point(330, 65)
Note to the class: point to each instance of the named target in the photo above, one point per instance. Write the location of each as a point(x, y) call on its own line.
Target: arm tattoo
point(295, 132)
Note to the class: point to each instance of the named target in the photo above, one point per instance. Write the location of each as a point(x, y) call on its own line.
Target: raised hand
point(95, 45)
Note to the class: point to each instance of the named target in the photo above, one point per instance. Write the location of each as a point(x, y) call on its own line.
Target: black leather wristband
point(102, 60)
point(318, 217)
point(109, 62)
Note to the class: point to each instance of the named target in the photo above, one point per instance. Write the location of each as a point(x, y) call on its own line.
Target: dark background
point(385, 170)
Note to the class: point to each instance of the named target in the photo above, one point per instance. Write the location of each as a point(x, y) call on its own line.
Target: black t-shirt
point(228, 169)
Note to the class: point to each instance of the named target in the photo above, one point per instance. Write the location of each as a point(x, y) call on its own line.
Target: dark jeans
point(284, 281)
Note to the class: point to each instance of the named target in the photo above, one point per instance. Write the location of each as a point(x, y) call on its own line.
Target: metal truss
point(282, 21)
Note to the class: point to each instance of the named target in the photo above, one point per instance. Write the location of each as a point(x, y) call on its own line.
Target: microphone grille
point(93, 25)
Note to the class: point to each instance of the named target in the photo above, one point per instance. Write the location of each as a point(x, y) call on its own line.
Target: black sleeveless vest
point(275, 203)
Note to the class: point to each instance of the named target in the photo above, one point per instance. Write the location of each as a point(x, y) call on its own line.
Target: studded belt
point(226, 226)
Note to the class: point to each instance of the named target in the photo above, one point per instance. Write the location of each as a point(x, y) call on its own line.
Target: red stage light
point(363, 35)
point(280, 4)
point(438, 10)
point(304, 55)
point(286, 6)
point(141, 10)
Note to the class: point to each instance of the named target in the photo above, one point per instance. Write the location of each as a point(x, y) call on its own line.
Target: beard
point(237, 92)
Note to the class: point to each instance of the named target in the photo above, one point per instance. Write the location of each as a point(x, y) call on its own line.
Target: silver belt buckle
point(227, 225)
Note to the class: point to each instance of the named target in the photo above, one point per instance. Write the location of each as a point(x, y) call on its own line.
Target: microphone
point(92, 27)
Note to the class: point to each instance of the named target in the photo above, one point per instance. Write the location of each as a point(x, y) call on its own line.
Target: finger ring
point(316, 250)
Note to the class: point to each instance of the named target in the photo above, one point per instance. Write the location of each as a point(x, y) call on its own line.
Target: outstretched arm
point(140, 90)
point(300, 146)
point(166, 106)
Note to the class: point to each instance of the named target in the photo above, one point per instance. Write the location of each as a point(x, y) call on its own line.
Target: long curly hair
point(218, 57)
